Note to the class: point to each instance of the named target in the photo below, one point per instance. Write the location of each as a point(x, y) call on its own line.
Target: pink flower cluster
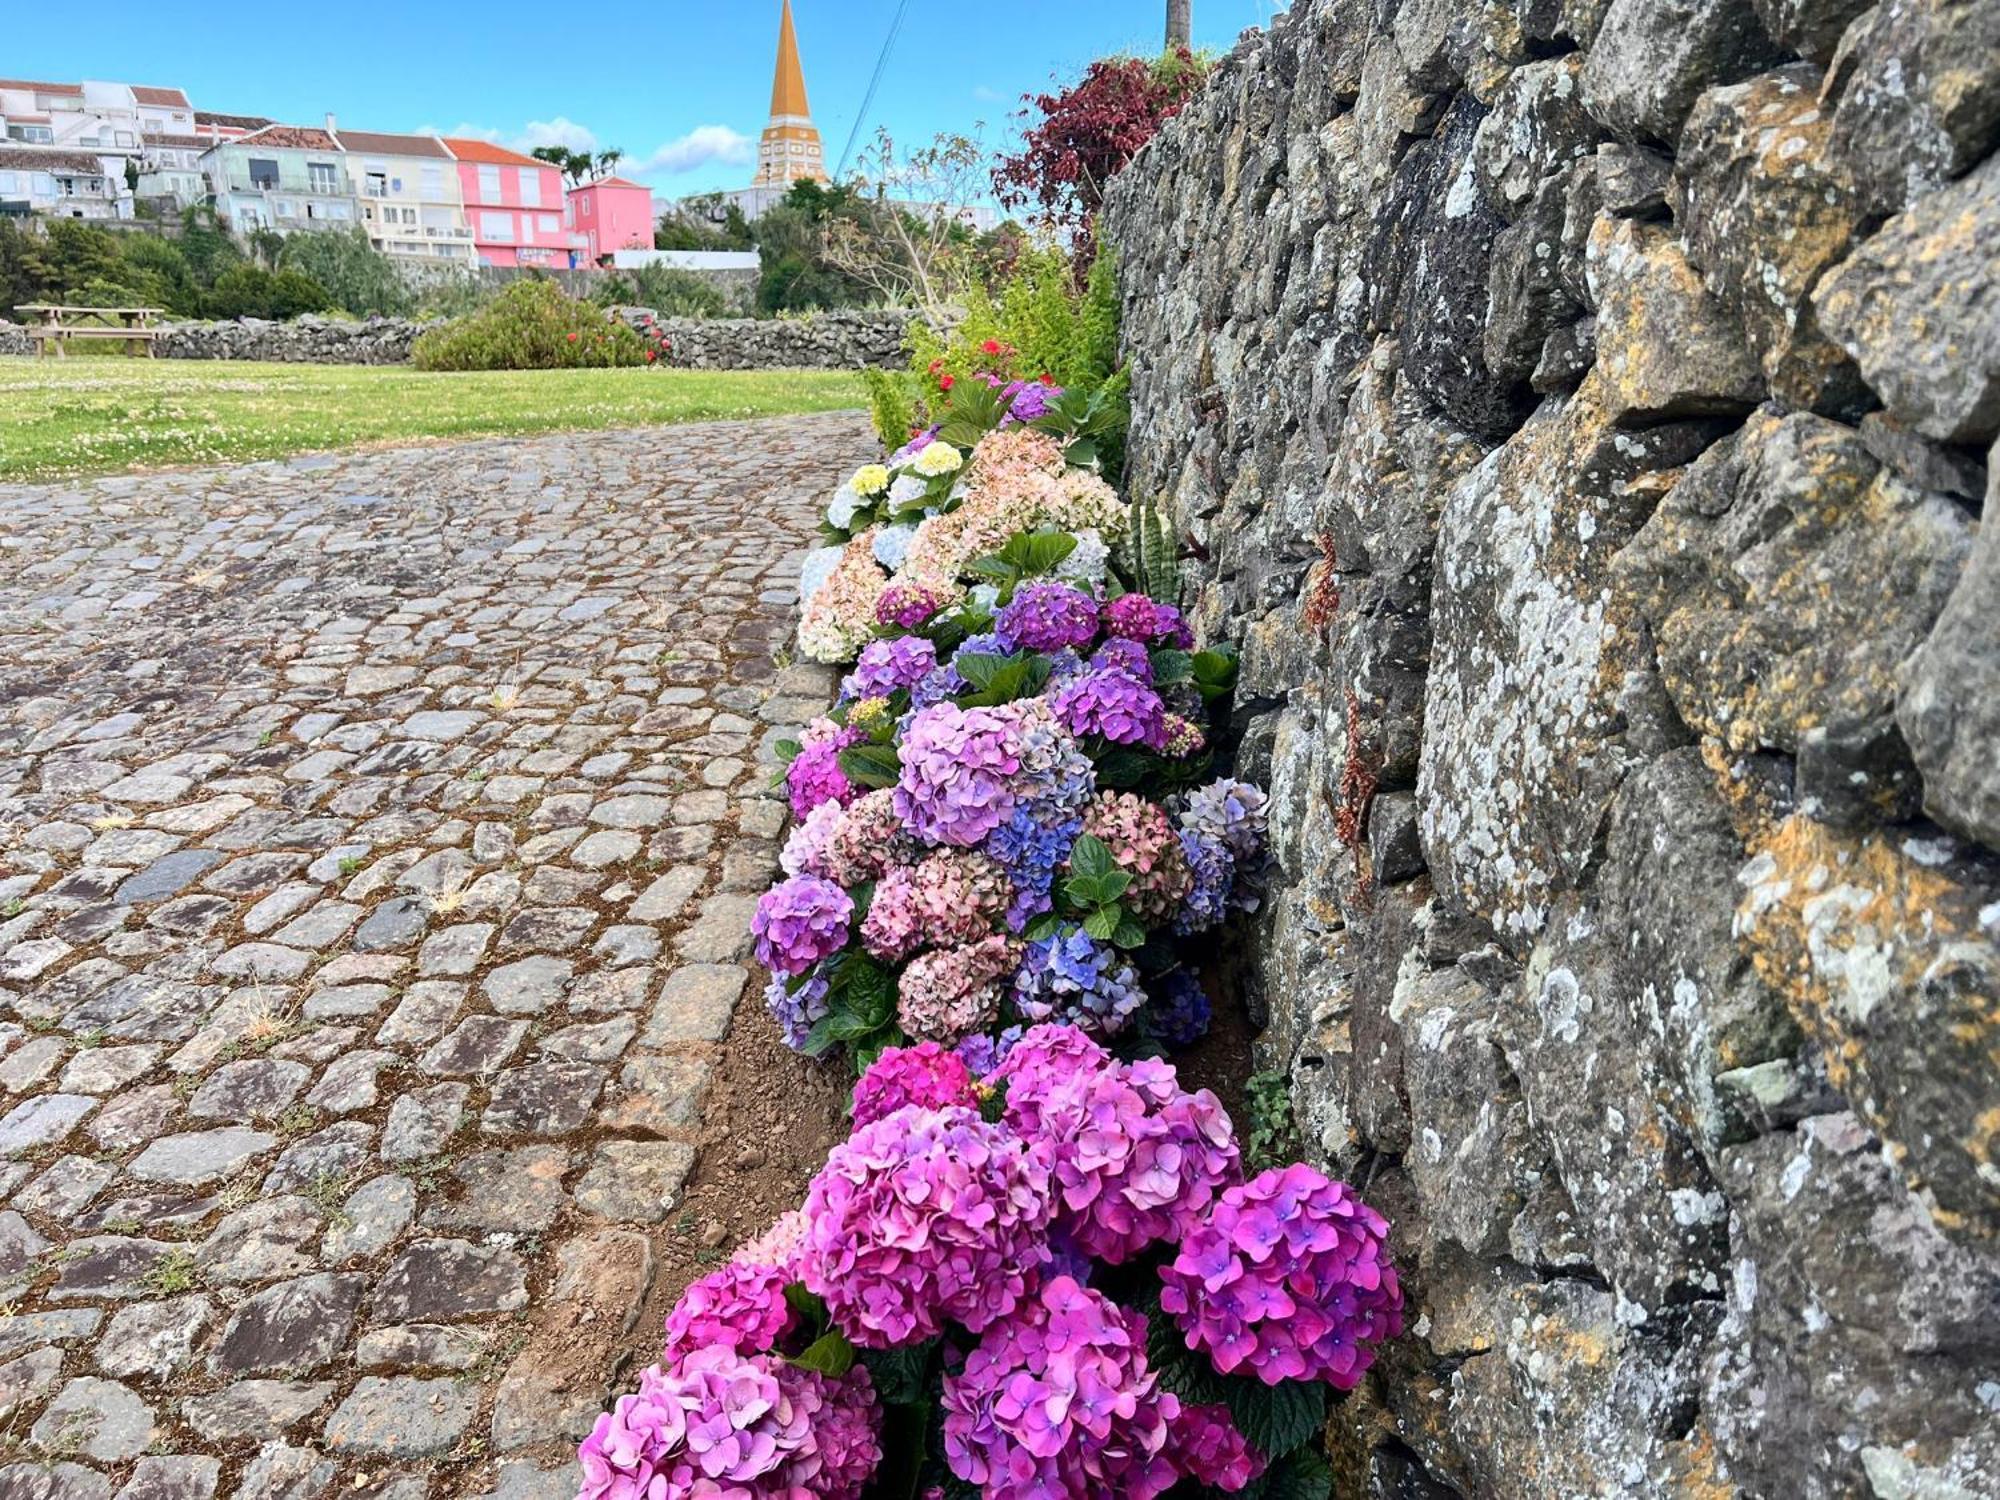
point(1058, 1401)
point(740, 1307)
point(735, 1427)
point(926, 1075)
point(951, 898)
point(814, 776)
point(922, 1218)
point(1208, 1449)
point(839, 619)
point(1145, 846)
point(954, 783)
point(1290, 1279)
point(799, 922)
point(1138, 618)
point(951, 991)
point(907, 605)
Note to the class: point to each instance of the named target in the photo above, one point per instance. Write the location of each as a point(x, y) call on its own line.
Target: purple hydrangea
point(741, 1308)
point(906, 605)
point(1058, 1401)
point(1214, 869)
point(913, 447)
point(923, 1218)
point(992, 643)
point(1233, 813)
point(1147, 621)
point(1129, 657)
point(747, 1427)
point(957, 763)
point(1071, 977)
point(938, 687)
point(1042, 1061)
point(1180, 1013)
point(927, 1075)
point(885, 666)
point(1029, 400)
point(1050, 616)
point(1290, 1279)
point(982, 1052)
point(1137, 1160)
point(1206, 1447)
point(1112, 705)
point(798, 1005)
point(814, 775)
point(799, 922)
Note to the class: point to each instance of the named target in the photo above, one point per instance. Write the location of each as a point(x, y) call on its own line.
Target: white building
point(66, 184)
point(109, 121)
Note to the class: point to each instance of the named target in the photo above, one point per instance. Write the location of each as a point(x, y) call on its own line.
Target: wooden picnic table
point(61, 323)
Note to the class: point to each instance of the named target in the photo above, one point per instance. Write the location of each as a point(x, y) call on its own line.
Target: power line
point(868, 99)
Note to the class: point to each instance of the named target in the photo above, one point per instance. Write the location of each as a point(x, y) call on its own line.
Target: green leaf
point(899, 1374)
point(830, 1354)
point(1102, 923)
point(1171, 666)
point(1129, 934)
point(1215, 668)
point(1090, 855)
point(788, 750)
point(869, 765)
point(811, 1310)
point(980, 669)
point(1302, 1475)
point(1276, 1418)
point(1043, 927)
point(1037, 552)
point(867, 991)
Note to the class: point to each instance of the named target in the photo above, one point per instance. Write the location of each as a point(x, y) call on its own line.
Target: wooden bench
point(60, 324)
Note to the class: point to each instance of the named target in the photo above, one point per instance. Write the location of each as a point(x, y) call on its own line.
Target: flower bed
point(1036, 1269)
point(1048, 1280)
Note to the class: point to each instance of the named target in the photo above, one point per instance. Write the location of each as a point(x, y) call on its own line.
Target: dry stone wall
point(1584, 414)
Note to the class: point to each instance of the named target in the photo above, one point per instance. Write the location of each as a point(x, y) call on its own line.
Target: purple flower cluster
point(906, 606)
point(922, 1218)
point(799, 922)
point(1214, 870)
point(1232, 813)
point(798, 1005)
point(926, 1074)
point(1050, 617)
point(1058, 1401)
point(1290, 1279)
point(953, 991)
point(1112, 705)
point(1207, 1448)
point(1137, 1160)
point(900, 662)
point(994, 642)
point(1071, 977)
point(1180, 1013)
point(743, 1427)
point(1121, 655)
point(814, 776)
point(740, 1307)
point(1138, 618)
point(954, 786)
point(1041, 1062)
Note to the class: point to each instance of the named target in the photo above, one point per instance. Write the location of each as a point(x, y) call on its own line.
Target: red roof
point(234, 122)
point(41, 88)
point(488, 154)
point(300, 137)
point(172, 98)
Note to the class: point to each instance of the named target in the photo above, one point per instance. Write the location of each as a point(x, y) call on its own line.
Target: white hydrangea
point(818, 567)
point(1089, 562)
point(907, 488)
point(892, 544)
point(938, 459)
point(986, 596)
point(846, 502)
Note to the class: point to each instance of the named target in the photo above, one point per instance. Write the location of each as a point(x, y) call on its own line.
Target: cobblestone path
point(378, 841)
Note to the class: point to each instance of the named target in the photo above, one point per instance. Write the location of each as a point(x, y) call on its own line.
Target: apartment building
point(133, 131)
point(283, 177)
point(410, 199)
point(611, 214)
point(515, 206)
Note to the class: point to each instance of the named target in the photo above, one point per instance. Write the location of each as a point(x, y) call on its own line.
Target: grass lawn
point(106, 416)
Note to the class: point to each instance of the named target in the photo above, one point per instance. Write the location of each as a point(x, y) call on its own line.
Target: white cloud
point(700, 147)
point(561, 131)
point(985, 95)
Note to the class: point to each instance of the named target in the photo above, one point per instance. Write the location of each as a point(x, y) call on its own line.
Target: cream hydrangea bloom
point(939, 458)
point(870, 479)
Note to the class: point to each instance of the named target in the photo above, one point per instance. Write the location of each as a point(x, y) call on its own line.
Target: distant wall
point(307, 340)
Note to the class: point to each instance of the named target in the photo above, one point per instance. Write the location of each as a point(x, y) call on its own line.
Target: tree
point(24, 267)
point(1180, 23)
point(355, 274)
point(579, 167)
point(705, 223)
point(1089, 131)
point(905, 238)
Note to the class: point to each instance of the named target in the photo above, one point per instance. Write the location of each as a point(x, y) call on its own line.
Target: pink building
point(514, 204)
point(611, 214)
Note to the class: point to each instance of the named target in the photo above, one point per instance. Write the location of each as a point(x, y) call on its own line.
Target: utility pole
point(1180, 23)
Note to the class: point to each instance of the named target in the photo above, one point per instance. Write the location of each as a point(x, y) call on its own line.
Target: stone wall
point(302, 341)
point(1581, 413)
point(14, 339)
point(824, 341)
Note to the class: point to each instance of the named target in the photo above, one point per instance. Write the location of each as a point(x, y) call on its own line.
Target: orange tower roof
point(788, 87)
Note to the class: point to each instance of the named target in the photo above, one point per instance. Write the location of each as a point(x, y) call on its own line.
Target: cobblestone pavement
point(378, 841)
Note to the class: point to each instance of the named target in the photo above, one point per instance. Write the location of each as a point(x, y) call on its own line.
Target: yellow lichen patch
point(1882, 958)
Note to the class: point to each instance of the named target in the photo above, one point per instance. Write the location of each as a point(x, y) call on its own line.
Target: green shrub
point(359, 277)
point(892, 402)
point(253, 292)
point(668, 290)
point(530, 326)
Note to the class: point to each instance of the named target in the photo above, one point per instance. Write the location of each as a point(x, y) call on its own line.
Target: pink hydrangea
point(735, 1427)
point(952, 991)
point(1057, 1400)
point(839, 619)
point(1138, 618)
point(869, 839)
point(1290, 1279)
point(1043, 1061)
point(805, 851)
point(954, 788)
point(799, 922)
point(1145, 845)
point(907, 605)
point(777, 1246)
point(1206, 1447)
point(952, 898)
point(894, 926)
point(1137, 1160)
point(926, 1075)
point(815, 777)
point(922, 1218)
point(740, 1307)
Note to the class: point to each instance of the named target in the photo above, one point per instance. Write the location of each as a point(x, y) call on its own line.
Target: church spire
point(788, 86)
point(790, 151)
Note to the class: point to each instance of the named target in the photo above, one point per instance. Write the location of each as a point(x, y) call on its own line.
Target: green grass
point(100, 416)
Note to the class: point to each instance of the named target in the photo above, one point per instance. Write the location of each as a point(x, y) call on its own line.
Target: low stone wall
point(1582, 415)
point(827, 341)
point(14, 339)
point(303, 341)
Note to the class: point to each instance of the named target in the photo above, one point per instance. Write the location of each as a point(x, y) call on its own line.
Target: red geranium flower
point(572, 338)
point(946, 382)
point(991, 346)
point(1047, 378)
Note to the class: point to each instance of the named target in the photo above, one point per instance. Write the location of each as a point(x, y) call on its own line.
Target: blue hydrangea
point(937, 687)
point(1180, 1013)
point(1214, 879)
point(1031, 851)
point(1071, 977)
point(993, 643)
point(797, 1006)
point(982, 1053)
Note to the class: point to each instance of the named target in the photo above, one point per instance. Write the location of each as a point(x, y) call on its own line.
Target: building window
point(489, 184)
point(124, 138)
point(430, 183)
point(551, 224)
point(41, 135)
point(284, 208)
point(583, 207)
point(531, 186)
point(323, 176)
point(496, 229)
point(338, 210)
point(263, 172)
point(377, 184)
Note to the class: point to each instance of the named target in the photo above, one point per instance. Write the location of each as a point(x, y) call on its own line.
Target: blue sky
point(682, 86)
